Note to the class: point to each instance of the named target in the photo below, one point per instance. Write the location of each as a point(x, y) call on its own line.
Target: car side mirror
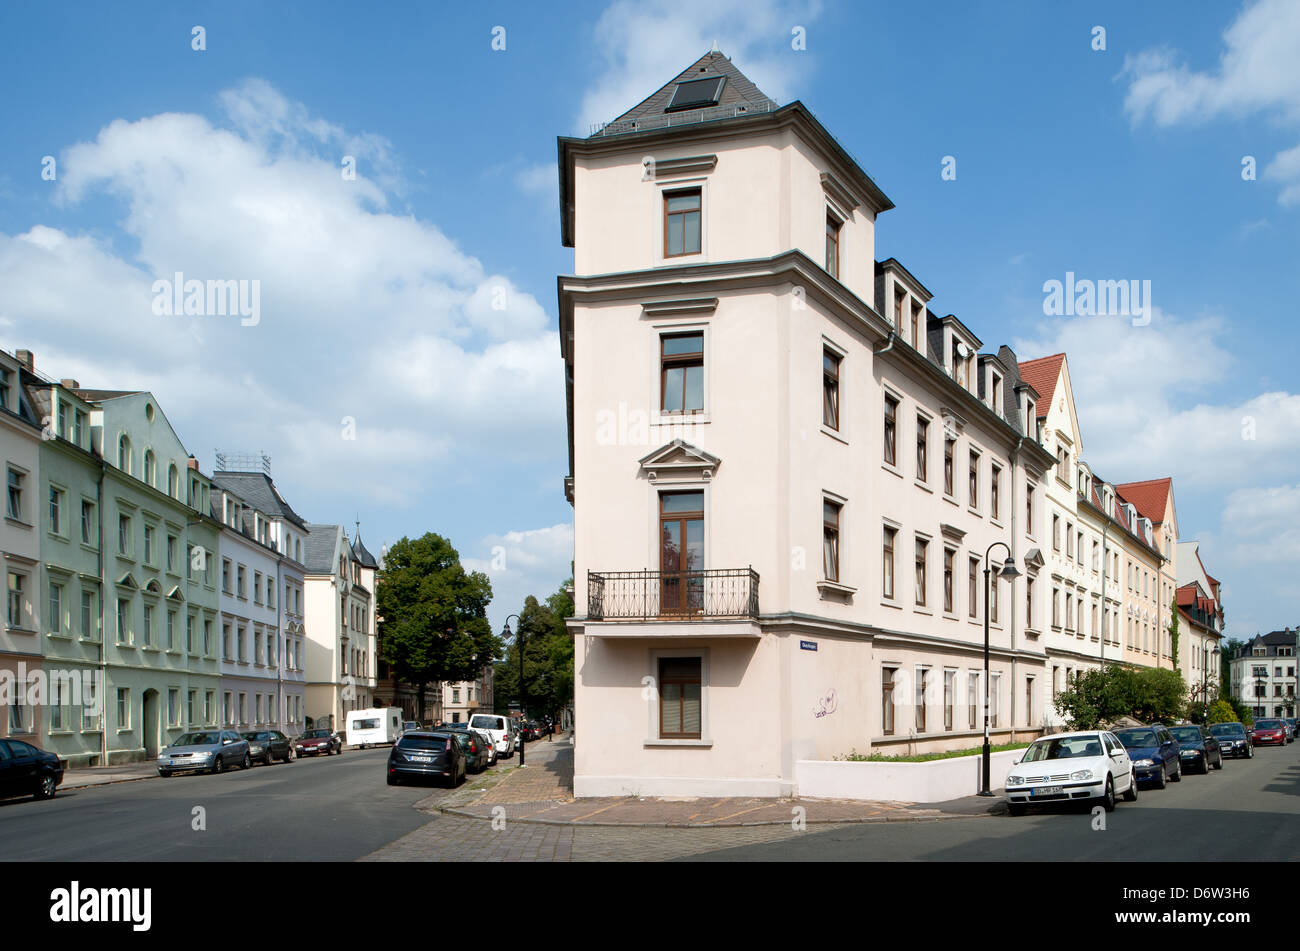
point(226, 742)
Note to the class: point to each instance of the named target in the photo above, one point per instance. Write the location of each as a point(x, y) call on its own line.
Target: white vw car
point(1092, 764)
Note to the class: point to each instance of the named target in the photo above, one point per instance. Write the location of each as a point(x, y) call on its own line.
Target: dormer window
point(4, 388)
point(900, 299)
point(996, 401)
point(696, 94)
point(1030, 418)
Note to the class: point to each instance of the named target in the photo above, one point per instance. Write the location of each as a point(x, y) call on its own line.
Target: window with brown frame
point(680, 712)
point(1056, 532)
point(922, 677)
point(974, 479)
point(887, 561)
point(831, 389)
point(949, 696)
point(995, 490)
point(900, 298)
point(973, 591)
point(993, 597)
point(887, 700)
point(891, 430)
point(682, 222)
point(1029, 507)
point(922, 546)
point(831, 540)
point(918, 327)
point(922, 445)
point(833, 225)
point(681, 373)
point(972, 697)
point(949, 446)
point(1029, 604)
point(949, 555)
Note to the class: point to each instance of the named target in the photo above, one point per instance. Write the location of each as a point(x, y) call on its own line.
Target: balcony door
point(681, 553)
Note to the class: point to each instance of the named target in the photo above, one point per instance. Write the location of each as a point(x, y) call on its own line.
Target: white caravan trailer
point(372, 727)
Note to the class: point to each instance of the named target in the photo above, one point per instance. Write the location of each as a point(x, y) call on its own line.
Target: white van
point(497, 727)
point(372, 727)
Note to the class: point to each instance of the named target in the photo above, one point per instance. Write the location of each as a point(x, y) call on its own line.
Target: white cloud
point(645, 44)
point(1143, 398)
point(1258, 71)
point(533, 561)
point(364, 313)
point(541, 180)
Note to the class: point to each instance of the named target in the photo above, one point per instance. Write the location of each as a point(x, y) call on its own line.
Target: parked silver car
point(205, 750)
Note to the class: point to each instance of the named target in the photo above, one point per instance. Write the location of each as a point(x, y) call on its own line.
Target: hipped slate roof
point(738, 89)
point(320, 553)
point(257, 489)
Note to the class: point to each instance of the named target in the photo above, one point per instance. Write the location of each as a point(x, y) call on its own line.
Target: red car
point(1268, 731)
point(314, 742)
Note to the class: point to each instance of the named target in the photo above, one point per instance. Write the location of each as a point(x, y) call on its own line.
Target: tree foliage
point(548, 657)
point(1222, 712)
point(1099, 697)
point(433, 614)
point(1173, 629)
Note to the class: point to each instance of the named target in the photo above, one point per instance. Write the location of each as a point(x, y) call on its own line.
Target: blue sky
point(377, 294)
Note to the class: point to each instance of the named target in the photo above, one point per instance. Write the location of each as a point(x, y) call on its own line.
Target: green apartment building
point(129, 550)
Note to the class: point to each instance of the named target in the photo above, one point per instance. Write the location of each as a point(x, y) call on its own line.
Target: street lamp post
point(1007, 571)
point(1205, 688)
point(523, 699)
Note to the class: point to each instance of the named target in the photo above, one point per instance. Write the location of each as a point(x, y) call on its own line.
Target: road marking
point(598, 811)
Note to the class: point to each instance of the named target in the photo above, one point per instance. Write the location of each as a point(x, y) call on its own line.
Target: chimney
point(70, 384)
point(26, 358)
point(193, 463)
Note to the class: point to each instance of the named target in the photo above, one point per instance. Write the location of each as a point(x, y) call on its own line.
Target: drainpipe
point(1105, 566)
point(103, 623)
point(1015, 458)
point(889, 346)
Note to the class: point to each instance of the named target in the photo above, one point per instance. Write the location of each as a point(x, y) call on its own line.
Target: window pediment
point(680, 460)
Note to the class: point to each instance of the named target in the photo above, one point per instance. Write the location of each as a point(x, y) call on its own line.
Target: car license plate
point(1045, 791)
point(421, 759)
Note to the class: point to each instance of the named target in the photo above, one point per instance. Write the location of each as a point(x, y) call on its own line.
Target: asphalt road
point(335, 808)
point(1245, 812)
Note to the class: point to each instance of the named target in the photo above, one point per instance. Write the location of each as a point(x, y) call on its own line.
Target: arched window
point(124, 453)
point(173, 482)
point(150, 468)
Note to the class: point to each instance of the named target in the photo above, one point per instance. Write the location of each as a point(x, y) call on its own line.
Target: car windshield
point(316, 735)
point(1227, 729)
point(1267, 724)
point(197, 739)
point(486, 723)
point(256, 736)
point(1063, 748)
point(1186, 734)
point(1137, 739)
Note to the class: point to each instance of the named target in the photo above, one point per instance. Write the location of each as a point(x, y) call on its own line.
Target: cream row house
point(339, 584)
point(794, 482)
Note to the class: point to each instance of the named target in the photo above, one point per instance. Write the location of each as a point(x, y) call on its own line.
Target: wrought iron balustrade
point(718, 593)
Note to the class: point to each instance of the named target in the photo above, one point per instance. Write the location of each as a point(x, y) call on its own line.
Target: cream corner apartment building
point(786, 469)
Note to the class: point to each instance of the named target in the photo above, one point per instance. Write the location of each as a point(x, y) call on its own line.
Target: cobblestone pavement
point(456, 839)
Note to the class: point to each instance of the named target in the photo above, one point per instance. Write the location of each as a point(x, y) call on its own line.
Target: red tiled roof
point(1187, 595)
point(1042, 375)
point(1150, 497)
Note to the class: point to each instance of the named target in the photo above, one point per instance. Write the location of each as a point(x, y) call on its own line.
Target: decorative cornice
point(678, 166)
point(675, 308)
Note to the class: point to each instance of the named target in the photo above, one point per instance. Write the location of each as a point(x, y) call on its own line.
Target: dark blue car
point(1155, 754)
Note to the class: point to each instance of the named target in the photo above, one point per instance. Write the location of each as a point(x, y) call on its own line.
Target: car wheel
point(1131, 794)
point(164, 773)
point(270, 759)
point(221, 764)
point(392, 780)
point(45, 788)
point(1177, 777)
point(1218, 761)
point(1164, 777)
point(1016, 808)
point(1108, 801)
point(247, 763)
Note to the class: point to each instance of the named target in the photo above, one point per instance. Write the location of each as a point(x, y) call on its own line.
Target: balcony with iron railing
point(718, 594)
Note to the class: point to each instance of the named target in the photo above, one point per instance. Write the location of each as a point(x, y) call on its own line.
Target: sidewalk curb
point(64, 787)
point(462, 813)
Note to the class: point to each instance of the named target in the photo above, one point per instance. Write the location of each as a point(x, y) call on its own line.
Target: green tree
point(1222, 712)
point(1098, 697)
point(433, 614)
point(548, 656)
